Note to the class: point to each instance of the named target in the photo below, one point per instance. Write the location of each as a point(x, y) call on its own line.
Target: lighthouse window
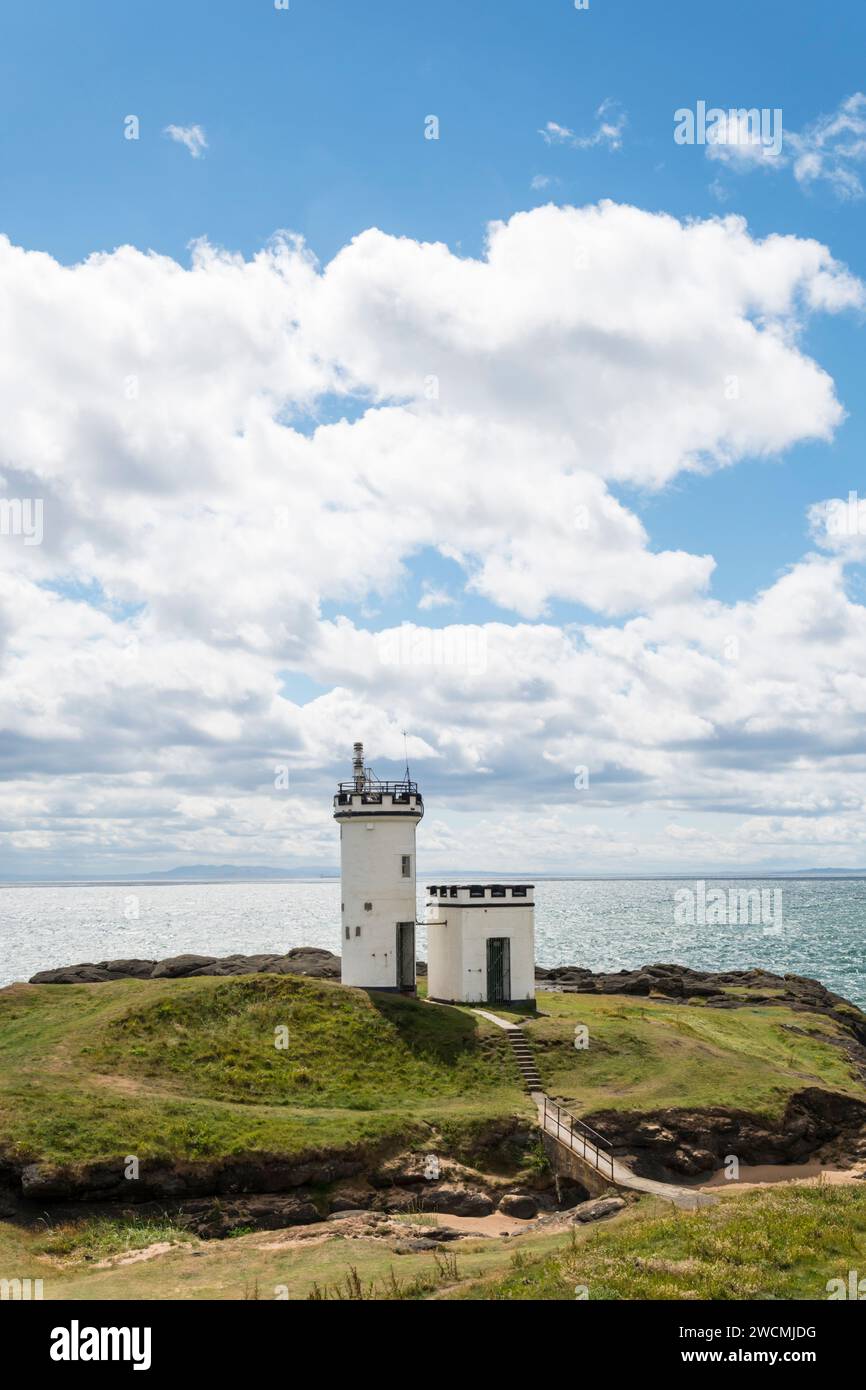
point(497, 892)
point(476, 892)
point(518, 892)
point(406, 865)
point(357, 931)
point(348, 933)
point(368, 907)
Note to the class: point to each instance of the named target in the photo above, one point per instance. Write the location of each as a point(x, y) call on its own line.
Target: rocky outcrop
point(214, 1220)
point(177, 966)
point(268, 1193)
point(680, 983)
point(301, 960)
point(691, 1142)
point(456, 1201)
point(106, 1182)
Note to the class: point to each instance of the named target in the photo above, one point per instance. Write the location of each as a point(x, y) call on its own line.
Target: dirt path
point(134, 1257)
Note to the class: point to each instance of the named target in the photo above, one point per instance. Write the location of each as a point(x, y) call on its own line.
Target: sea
point(803, 926)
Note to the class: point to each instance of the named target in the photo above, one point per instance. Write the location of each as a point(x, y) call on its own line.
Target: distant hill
point(239, 871)
point(830, 873)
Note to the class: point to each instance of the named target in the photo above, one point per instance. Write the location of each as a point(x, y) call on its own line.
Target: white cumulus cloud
point(192, 136)
point(206, 542)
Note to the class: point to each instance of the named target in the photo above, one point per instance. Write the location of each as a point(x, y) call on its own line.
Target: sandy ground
point(494, 1225)
point(765, 1174)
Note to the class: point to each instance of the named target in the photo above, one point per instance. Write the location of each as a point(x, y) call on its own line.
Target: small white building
point(481, 943)
point(377, 871)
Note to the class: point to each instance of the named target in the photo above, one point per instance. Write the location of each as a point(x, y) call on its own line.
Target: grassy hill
point(188, 1069)
point(651, 1054)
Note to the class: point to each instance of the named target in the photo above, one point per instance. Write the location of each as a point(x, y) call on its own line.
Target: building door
point(406, 955)
point(498, 969)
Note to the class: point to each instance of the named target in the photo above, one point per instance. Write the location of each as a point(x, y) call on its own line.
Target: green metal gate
point(498, 969)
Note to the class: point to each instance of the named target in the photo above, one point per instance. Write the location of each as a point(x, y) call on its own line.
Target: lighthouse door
point(406, 955)
point(498, 969)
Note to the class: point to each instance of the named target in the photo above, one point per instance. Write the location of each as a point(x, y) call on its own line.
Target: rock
point(596, 1209)
point(456, 1201)
point(414, 1247)
point(649, 1132)
point(268, 1176)
point(395, 1201)
point(214, 1220)
point(132, 969)
point(407, 1169)
point(519, 1205)
point(692, 1161)
point(236, 965)
point(176, 966)
point(86, 974)
point(313, 961)
point(350, 1199)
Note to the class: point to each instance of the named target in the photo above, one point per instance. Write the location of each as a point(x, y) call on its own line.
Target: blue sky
point(313, 119)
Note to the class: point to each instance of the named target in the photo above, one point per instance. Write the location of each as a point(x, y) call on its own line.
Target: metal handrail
point(375, 788)
point(577, 1137)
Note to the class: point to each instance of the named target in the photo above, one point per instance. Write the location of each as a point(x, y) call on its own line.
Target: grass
point(283, 1040)
point(651, 1054)
point(784, 1243)
point(102, 1236)
point(263, 1265)
point(444, 1271)
point(188, 1069)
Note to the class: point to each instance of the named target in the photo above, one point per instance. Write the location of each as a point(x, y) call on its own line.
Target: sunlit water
point(604, 924)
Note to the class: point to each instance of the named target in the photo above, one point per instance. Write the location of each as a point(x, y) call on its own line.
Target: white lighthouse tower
point(377, 873)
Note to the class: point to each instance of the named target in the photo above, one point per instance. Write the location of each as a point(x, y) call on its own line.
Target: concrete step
point(525, 1059)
